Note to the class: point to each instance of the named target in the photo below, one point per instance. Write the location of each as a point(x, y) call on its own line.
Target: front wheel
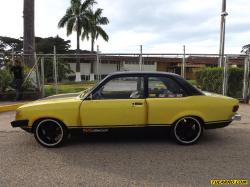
point(50, 133)
point(187, 130)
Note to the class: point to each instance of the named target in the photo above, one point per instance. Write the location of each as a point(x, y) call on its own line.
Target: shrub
point(5, 79)
point(235, 80)
point(28, 84)
point(63, 69)
point(211, 79)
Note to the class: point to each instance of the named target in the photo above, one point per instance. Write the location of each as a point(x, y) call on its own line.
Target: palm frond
point(87, 4)
point(102, 33)
point(103, 21)
point(70, 26)
point(85, 35)
point(65, 18)
point(98, 13)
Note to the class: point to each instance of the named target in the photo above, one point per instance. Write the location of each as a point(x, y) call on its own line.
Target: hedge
point(211, 80)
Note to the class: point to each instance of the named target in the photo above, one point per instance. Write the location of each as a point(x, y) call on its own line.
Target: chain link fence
point(58, 73)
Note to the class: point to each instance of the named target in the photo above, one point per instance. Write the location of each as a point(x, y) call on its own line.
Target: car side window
point(164, 87)
point(121, 88)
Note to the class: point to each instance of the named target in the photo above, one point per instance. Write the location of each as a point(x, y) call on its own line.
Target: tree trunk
point(29, 32)
point(92, 44)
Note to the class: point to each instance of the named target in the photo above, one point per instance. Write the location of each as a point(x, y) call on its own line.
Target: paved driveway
point(130, 158)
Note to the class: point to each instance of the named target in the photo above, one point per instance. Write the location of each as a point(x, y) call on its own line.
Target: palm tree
point(29, 32)
point(75, 19)
point(94, 29)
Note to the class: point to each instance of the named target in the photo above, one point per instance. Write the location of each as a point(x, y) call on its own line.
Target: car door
point(118, 102)
point(165, 100)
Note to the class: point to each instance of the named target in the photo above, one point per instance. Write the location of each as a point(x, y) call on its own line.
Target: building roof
point(192, 60)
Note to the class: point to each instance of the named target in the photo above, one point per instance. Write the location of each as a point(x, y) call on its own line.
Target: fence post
point(12, 56)
point(140, 60)
point(38, 82)
point(184, 62)
point(55, 70)
point(42, 76)
point(225, 77)
point(97, 64)
point(246, 79)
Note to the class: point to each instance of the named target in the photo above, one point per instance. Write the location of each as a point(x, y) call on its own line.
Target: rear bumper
point(20, 123)
point(216, 125)
point(221, 124)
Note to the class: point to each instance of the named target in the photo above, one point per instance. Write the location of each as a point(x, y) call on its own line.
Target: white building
point(109, 64)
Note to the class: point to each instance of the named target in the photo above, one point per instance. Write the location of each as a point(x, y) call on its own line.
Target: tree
point(46, 46)
point(8, 43)
point(43, 46)
point(94, 29)
point(75, 19)
point(29, 32)
point(6, 46)
point(246, 49)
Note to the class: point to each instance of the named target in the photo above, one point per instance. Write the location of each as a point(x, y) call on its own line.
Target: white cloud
point(159, 25)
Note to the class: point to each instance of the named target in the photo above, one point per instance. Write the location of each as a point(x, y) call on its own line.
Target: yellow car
point(129, 100)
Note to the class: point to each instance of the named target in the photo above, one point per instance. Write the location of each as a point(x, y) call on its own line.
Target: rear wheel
point(50, 133)
point(187, 130)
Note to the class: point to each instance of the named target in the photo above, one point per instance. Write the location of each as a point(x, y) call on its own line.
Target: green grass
point(193, 82)
point(67, 88)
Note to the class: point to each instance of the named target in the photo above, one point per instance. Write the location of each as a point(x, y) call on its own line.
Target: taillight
point(235, 108)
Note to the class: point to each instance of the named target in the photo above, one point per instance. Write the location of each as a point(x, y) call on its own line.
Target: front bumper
point(20, 123)
point(23, 124)
point(236, 117)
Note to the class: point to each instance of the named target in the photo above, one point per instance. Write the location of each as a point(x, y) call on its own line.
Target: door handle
point(137, 104)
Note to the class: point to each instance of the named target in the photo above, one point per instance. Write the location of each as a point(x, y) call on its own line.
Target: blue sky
point(159, 25)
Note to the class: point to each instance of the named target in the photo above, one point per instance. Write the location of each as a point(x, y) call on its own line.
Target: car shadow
point(141, 135)
point(131, 135)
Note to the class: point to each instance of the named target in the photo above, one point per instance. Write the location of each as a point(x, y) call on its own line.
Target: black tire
point(187, 130)
point(50, 133)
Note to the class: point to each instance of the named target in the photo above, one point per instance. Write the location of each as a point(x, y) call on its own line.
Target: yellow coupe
point(129, 100)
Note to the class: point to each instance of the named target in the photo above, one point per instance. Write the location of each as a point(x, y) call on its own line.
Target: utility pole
point(222, 32)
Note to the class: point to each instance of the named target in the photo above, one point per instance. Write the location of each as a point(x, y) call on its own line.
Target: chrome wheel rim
point(49, 132)
point(187, 130)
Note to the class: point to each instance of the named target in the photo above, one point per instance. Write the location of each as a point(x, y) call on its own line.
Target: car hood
point(61, 96)
point(55, 99)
